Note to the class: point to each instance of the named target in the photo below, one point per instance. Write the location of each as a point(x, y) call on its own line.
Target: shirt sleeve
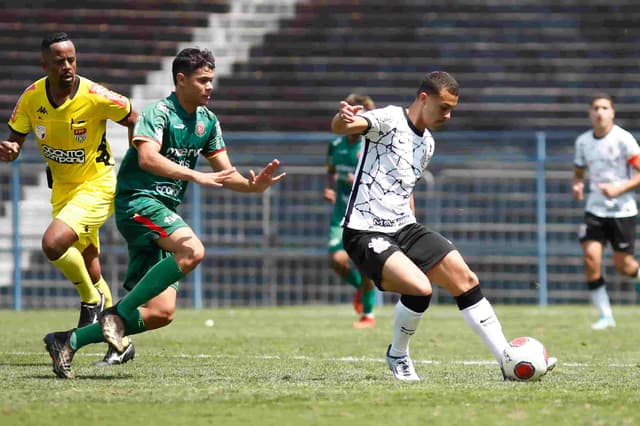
point(151, 124)
point(631, 146)
point(578, 159)
point(215, 145)
point(329, 158)
point(380, 122)
point(20, 122)
point(113, 105)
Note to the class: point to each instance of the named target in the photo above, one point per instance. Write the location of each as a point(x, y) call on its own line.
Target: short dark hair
point(601, 95)
point(435, 81)
point(357, 99)
point(53, 39)
point(191, 59)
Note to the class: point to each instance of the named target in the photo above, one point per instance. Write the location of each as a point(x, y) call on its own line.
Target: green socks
point(92, 333)
point(368, 300)
point(155, 281)
point(353, 278)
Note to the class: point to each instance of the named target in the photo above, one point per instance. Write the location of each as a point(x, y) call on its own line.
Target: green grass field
point(308, 366)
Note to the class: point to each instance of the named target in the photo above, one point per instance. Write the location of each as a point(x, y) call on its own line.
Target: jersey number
point(103, 153)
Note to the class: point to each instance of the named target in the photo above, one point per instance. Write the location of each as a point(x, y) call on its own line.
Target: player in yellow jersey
point(67, 114)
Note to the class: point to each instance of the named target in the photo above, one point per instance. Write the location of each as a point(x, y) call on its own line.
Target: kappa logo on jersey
point(108, 94)
point(42, 110)
point(41, 131)
point(80, 134)
point(63, 156)
point(200, 128)
point(379, 244)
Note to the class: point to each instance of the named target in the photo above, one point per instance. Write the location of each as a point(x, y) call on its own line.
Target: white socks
point(480, 317)
point(483, 320)
point(405, 323)
point(600, 298)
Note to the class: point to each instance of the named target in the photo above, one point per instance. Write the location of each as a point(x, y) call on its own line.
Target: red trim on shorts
point(146, 222)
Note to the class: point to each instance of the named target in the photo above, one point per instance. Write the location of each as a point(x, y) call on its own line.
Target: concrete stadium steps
point(34, 215)
point(384, 49)
point(158, 16)
point(118, 43)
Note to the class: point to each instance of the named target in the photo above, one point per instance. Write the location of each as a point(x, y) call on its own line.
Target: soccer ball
point(525, 359)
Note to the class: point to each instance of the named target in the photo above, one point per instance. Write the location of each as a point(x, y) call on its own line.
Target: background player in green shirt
point(342, 158)
point(167, 140)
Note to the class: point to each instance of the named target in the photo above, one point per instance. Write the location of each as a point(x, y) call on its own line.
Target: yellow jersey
point(72, 137)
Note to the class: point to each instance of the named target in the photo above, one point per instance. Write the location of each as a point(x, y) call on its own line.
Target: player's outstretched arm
point(151, 160)
point(347, 121)
point(254, 183)
point(266, 178)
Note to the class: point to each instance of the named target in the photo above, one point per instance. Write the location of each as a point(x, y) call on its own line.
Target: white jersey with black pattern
point(395, 156)
point(607, 160)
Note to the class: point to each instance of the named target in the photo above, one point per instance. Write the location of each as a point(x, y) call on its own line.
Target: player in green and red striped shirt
point(167, 140)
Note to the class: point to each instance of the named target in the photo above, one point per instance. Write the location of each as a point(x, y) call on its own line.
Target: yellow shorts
point(85, 208)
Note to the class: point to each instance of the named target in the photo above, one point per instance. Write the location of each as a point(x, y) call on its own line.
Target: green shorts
point(142, 221)
point(335, 239)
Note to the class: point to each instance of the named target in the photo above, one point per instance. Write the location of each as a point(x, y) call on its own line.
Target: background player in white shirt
point(612, 156)
point(381, 234)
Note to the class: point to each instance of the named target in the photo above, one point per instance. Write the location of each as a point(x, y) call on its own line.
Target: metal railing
point(503, 199)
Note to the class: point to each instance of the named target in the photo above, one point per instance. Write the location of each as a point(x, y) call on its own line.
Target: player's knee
point(52, 250)
point(341, 268)
point(466, 278)
point(163, 315)
point(190, 257)
point(339, 260)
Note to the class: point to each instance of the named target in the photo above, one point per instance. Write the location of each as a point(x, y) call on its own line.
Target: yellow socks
point(72, 266)
point(103, 288)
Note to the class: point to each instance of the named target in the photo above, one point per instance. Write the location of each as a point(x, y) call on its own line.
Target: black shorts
point(369, 250)
point(619, 231)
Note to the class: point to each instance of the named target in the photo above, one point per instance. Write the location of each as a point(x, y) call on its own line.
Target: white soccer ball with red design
point(525, 359)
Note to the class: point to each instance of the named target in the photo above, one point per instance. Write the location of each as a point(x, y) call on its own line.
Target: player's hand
point(329, 195)
point(264, 179)
point(578, 190)
point(348, 112)
point(9, 150)
point(611, 190)
point(215, 179)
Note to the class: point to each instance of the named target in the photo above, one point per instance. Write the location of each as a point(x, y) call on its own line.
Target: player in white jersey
point(612, 155)
point(381, 233)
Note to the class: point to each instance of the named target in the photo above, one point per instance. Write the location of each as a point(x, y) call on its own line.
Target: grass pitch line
point(309, 358)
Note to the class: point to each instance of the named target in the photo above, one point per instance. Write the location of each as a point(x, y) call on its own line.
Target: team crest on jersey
point(80, 134)
point(41, 131)
point(200, 128)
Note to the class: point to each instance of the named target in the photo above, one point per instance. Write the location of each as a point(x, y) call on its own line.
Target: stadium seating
point(523, 65)
point(118, 43)
point(527, 64)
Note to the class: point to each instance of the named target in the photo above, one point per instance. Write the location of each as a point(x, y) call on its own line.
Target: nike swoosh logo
point(486, 319)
